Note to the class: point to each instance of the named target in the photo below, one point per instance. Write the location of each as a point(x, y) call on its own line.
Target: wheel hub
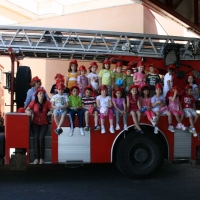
point(140, 155)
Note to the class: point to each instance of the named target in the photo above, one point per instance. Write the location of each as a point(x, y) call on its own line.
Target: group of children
point(104, 94)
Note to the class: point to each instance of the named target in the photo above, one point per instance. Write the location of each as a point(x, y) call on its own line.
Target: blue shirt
point(30, 96)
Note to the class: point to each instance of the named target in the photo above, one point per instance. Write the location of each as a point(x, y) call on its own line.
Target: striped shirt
point(88, 101)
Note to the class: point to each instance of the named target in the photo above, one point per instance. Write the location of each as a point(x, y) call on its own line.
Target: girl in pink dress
point(139, 77)
point(146, 104)
point(134, 107)
point(174, 107)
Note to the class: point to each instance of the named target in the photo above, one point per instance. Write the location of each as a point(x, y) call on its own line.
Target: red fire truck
point(134, 154)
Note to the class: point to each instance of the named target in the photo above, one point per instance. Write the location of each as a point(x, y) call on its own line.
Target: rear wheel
point(139, 156)
point(23, 79)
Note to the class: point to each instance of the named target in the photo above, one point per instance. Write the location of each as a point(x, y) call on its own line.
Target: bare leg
point(158, 115)
point(178, 119)
point(95, 117)
point(56, 119)
point(138, 116)
point(169, 117)
point(102, 122)
point(62, 119)
point(191, 121)
point(181, 118)
point(195, 118)
point(133, 114)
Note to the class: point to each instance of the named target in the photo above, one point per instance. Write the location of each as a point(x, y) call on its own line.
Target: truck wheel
point(23, 79)
point(2, 146)
point(139, 156)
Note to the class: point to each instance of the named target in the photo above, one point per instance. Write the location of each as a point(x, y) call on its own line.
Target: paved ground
point(99, 182)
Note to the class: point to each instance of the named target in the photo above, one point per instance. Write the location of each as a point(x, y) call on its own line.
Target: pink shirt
point(139, 75)
point(146, 102)
point(173, 105)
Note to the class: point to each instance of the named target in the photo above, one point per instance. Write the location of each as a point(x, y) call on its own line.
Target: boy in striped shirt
point(89, 105)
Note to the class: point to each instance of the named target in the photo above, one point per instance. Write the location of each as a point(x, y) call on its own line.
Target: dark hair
point(90, 89)
point(40, 104)
point(194, 81)
point(70, 69)
point(123, 95)
point(103, 67)
point(142, 92)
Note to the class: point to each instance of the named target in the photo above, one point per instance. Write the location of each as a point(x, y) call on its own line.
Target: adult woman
point(40, 108)
point(35, 84)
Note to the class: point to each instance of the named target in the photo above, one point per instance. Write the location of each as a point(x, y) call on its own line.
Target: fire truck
point(134, 154)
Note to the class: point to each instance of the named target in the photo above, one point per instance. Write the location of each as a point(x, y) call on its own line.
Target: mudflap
point(18, 162)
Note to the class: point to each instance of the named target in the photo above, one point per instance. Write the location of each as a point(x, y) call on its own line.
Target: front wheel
point(139, 156)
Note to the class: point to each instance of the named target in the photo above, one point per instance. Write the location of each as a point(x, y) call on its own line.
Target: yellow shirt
point(72, 79)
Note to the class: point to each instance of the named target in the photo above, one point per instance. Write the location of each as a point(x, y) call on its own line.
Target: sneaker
point(183, 127)
point(171, 128)
point(60, 131)
point(179, 126)
point(96, 128)
point(57, 131)
point(141, 131)
point(87, 128)
point(82, 131)
point(117, 127)
point(153, 123)
point(112, 129)
point(41, 161)
point(194, 132)
point(71, 132)
point(155, 119)
point(35, 162)
point(125, 127)
point(103, 130)
point(190, 129)
point(156, 130)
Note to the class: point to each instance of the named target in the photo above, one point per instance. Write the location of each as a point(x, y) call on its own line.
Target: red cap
point(75, 86)
point(129, 68)
point(103, 87)
point(158, 86)
point(73, 61)
point(190, 74)
point(119, 64)
point(106, 61)
point(82, 68)
point(59, 76)
point(90, 88)
point(34, 79)
point(188, 87)
point(133, 86)
point(59, 81)
point(93, 64)
point(40, 89)
point(145, 85)
point(60, 86)
point(172, 66)
point(118, 89)
point(140, 63)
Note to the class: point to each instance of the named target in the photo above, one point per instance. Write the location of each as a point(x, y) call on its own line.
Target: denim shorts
point(59, 112)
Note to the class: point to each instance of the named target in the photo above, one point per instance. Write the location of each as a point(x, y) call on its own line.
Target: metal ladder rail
point(31, 39)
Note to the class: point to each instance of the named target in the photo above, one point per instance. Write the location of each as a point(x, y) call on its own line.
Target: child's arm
point(196, 91)
point(174, 97)
point(139, 103)
point(128, 103)
point(124, 104)
point(67, 80)
point(110, 104)
point(98, 103)
point(100, 81)
point(168, 84)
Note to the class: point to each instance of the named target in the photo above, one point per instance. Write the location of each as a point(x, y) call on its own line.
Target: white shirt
point(94, 80)
point(60, 100)
point(104, 101)
point(168, 77)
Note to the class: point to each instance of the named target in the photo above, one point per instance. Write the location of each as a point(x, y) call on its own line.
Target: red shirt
point(40, 118)
point(187, 101)
point(133, 102)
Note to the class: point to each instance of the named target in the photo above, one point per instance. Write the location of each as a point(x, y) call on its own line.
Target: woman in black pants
point(40, 109)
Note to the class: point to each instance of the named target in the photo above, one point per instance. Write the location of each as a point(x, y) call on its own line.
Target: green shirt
point(119, 76)
point(129, 80)
point(106, 76)
point(75, 101)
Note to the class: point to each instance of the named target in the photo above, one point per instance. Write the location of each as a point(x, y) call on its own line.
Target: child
point(106, 76)
point(168, 84)
point(118, 74)
point(75, 107)
point(87, 102)
point(59, 79)
point(189, 108)
point(139, 77)
point(159, 107)
point(82, 80)
point(134, 107)
point(146, 104)
point(120, 108)
point(59, 103)
point(93, 77)
point(152, 79)
point(191, 81)
point(174, 105)
point(71, 78)
point(105, 105)
point(128, 78)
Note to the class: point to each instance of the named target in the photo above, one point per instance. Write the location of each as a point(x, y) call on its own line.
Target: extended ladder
point(43, 42)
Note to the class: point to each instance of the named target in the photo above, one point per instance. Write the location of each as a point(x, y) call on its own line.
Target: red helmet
point(40, 89)
point(173, 89)
point(106, 62)
point(73, 61)
point(158, 86)
point(75, 86)
point(82, 68)
point(132, 64)
point(93, 64)
point(34, 79)
point(60, 86)
point(188, 87)
point(59, 76)
point(190, 74)
point(118, 89)
point(90, 88)
point(59, 81)
point(119, 64)
point(21, 110)
point(172, 66)
point(133, 86)
point(140, 63)
point(103, 87)
point(145, 85)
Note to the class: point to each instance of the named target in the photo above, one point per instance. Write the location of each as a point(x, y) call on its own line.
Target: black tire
point(139, 156)
point(22, 85)
point(2, 145)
